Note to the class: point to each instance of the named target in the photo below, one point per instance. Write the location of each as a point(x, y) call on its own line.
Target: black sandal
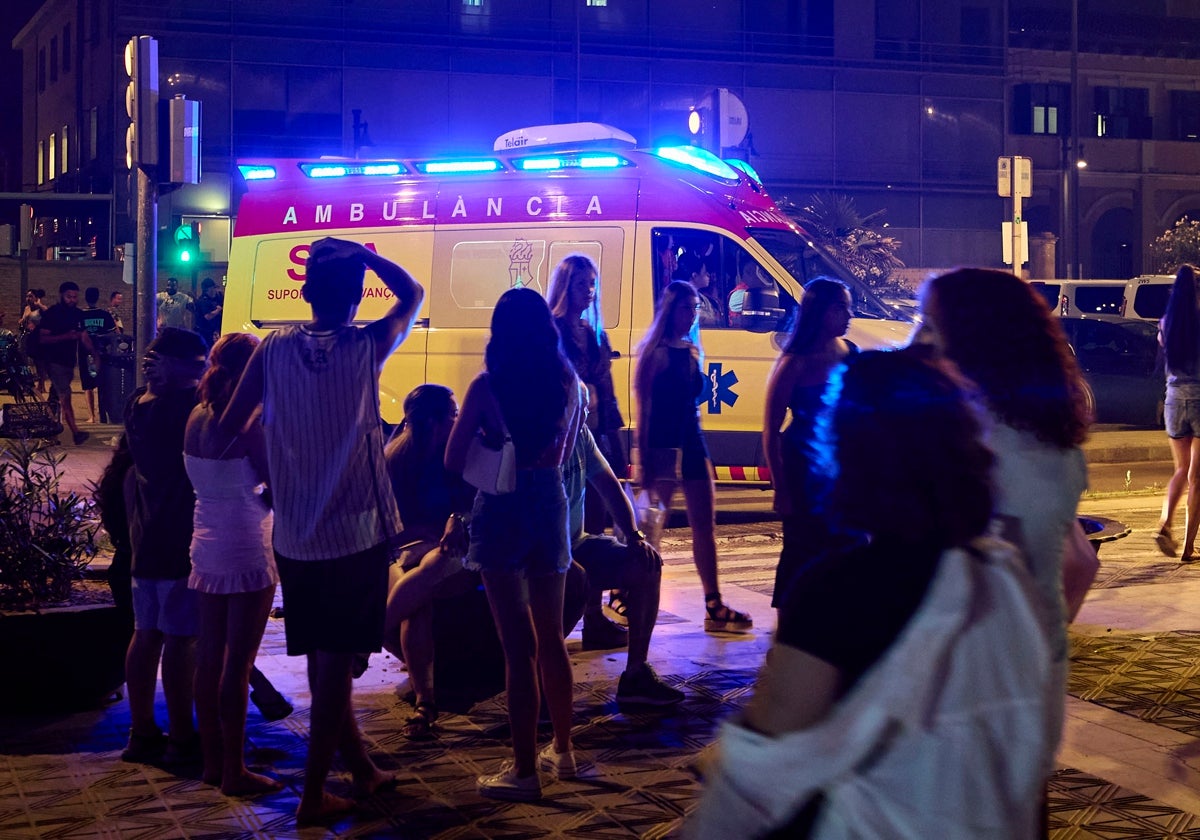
point(419, 727)
point(721, 618)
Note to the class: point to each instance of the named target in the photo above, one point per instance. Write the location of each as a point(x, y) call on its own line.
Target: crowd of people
point(928, 495)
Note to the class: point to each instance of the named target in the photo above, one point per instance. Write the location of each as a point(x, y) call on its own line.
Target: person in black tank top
point(671, 443)
point(797, 387)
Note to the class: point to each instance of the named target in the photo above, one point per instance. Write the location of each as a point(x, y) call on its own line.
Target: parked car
point(1120, 360)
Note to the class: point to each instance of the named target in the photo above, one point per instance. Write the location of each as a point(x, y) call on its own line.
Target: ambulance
point(469, 228)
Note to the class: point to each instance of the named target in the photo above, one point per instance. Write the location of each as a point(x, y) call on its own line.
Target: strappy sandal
point(722, 618)
point(419, 727)
point(617, 609)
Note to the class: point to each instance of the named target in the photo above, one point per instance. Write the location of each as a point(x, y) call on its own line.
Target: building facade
point(905, 105)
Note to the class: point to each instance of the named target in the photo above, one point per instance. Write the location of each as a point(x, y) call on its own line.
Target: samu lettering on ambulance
point(493, 206)
point(299, 256)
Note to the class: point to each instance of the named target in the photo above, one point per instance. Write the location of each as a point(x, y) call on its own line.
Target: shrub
point(47, 536)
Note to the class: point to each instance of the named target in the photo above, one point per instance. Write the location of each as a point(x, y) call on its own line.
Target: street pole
point(146, 275)
point(1073, 163)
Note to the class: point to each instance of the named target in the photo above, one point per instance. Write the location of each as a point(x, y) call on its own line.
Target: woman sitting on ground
point(432, 502)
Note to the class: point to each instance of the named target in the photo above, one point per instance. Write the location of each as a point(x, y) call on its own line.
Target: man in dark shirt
point(59, 336)
point(96, 321)
point(208, 311)
point(160, 531)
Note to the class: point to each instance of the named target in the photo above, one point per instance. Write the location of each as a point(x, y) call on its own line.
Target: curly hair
point(1181, 323)
point(936, 486)
point(999, 332)
point(530, 374)
point(227, 360)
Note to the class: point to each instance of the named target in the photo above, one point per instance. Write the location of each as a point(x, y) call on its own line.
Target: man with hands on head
point(335, 515)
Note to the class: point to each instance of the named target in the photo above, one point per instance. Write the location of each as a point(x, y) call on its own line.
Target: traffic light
point(141, 101)
point(187, 242)
point(180, 149)
point(718, 122)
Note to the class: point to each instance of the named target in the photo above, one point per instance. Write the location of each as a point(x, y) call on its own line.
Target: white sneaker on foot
point(561, 765)
point(508, 785)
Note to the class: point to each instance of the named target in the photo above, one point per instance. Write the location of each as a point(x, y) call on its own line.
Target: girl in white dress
point(233, 568)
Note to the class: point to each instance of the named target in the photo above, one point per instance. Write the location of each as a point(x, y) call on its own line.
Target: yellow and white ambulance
point(470, 228)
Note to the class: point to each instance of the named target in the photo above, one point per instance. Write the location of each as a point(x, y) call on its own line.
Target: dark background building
point(904, 105)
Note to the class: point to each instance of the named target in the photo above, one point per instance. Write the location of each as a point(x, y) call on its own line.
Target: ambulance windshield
point(804, 263)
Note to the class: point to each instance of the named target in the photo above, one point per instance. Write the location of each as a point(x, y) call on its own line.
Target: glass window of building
point(1185, 115)
point(41, 163)
point(62, 162)
point(93, 132)
point(54, 59)
point(597, 2)
point(1123, 113)
point(1040, 108)
point(51, 148)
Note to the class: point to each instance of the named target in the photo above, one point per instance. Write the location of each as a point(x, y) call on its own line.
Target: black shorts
point(336, 605)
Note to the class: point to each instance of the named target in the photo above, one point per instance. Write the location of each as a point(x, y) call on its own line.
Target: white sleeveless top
point(231, 528)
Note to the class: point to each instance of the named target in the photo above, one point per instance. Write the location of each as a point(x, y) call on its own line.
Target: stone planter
point(65, 658)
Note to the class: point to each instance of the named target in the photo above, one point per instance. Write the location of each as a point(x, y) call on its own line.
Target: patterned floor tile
point(1153, 677)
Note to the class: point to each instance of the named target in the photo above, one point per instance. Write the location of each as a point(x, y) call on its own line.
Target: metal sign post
point(1014, 177)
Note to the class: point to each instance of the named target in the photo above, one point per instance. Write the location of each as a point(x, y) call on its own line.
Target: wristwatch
point(637, 536)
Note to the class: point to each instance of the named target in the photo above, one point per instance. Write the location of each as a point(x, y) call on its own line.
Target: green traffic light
point(185, 256)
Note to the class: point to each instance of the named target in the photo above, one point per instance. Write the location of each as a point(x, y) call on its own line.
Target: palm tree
point(838, 230)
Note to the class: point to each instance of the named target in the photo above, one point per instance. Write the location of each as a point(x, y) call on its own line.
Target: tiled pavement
point(1130, 762)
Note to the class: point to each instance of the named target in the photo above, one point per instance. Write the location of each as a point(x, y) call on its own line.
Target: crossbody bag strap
point(499, 413)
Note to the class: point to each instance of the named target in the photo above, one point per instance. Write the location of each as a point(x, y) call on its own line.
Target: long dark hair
point(530, 375)
point(1181, 323)
point(820, 295)
point(424, 407)
point(227, 360)
point(998, 331)
point(936, 487)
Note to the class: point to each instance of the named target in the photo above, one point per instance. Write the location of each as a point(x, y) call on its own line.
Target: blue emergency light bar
point(458, 167)
point(256, 172)
point(737, 163)
point(699, 160)
point(344, 170)
point(554, 162)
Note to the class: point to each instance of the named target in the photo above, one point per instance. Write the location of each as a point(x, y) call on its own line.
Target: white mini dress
point(231, 530)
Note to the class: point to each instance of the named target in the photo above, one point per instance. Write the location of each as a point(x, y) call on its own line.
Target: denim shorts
point(165, 605)
point(1182, 418)
point(523, 532)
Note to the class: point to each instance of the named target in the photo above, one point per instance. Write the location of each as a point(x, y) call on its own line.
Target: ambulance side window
point(735, 291)
point(695, 256)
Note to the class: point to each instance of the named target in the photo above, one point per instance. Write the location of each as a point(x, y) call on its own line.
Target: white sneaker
point(508, 785)
point(561, 765)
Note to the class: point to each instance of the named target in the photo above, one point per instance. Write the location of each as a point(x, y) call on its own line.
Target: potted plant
point(63, 640)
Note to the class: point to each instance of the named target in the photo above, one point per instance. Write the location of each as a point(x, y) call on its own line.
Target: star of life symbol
point(719, 388)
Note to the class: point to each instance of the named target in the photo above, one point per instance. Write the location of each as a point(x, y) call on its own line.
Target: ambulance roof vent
point(580, 135)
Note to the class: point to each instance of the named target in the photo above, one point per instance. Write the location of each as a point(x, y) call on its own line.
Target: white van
point(1146, 296)
point(1104, 299)
point(471, 228)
